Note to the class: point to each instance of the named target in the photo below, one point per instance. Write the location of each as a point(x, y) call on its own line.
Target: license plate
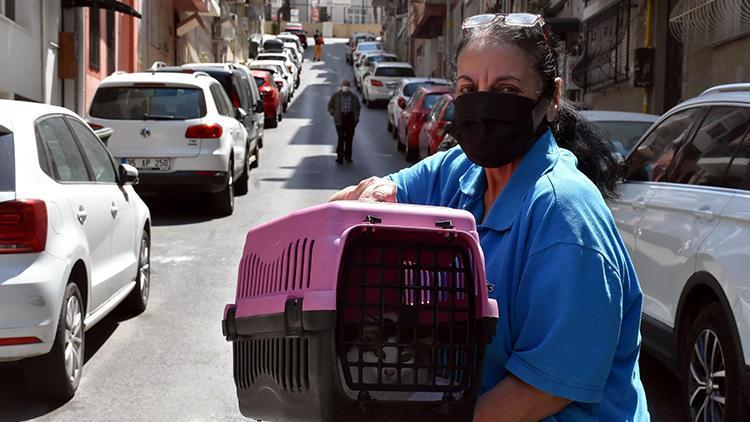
point(392, 86)
point(152, 164)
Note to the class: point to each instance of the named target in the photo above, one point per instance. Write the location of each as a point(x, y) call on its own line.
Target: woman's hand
point(373, 189)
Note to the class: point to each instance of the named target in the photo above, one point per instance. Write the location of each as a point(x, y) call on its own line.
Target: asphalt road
point(172, 363)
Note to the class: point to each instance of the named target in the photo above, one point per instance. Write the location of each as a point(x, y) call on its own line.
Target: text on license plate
point(157, 164)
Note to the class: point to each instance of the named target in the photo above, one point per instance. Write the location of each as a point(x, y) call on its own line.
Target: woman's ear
point(554, 106)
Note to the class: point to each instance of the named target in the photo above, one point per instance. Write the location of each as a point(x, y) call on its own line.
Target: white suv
point(74, 242)
point(179, 130)
point(684, 215)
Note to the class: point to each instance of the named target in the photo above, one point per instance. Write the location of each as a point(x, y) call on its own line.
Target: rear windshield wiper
point(161, 117)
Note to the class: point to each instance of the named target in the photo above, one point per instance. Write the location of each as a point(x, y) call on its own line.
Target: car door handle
point(704, 212)
point(81, 214)
point(113, 209)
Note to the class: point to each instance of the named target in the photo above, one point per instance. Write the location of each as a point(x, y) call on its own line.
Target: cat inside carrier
point(361, 312)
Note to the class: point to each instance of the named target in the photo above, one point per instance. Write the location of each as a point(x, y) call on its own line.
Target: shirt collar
point(538, 160)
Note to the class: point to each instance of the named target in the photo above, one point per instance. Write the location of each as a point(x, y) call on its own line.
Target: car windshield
point(410, 89)
point(378, 59)
point(430, 100)
point(7, 162)
point(403, 72)
point(623, 135)
point(449, 112)
point(148, 103)
point(259, 81)
point(369, 47)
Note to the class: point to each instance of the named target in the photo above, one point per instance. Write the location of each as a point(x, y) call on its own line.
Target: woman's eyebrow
point(504, 78)
point(467, 78)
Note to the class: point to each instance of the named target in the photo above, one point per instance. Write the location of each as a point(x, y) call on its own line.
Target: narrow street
point(172, 362)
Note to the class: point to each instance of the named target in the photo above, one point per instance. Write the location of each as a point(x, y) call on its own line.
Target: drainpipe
point(82, 59)
point(43, 52)
point(648, 90)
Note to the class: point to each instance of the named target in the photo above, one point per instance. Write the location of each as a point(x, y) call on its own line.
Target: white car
point(365, 47)
point(179, 130)
point(401, 96)
point(287, 73)
point(382, 80)
point(684, 216)
point(289, 37)
point(296, 53)
point(624, 129)
point(367, 61)
point(285, 57)
point(74, 242)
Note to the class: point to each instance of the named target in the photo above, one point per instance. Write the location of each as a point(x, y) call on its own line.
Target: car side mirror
point(127, 175)
point(240, 114)
point(259, 106)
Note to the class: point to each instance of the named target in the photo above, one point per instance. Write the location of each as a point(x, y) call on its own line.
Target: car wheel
point(57, 374)
point(286, 105)
point(390, 127)
point(137, 301)
point(412, 155)
point(240, 186)
point(224, 200)
point(711, 369)
point(260, 140)
point(272, 123)
point(256, 162)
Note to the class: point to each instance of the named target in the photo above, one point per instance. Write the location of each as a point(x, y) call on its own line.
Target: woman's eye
point(508, 90)
point(465, 89)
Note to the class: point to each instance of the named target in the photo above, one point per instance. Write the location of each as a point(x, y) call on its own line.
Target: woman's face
point(504, 68)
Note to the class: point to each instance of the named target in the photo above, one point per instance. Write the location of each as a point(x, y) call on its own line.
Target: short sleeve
point(421, 183)
point(566, 322)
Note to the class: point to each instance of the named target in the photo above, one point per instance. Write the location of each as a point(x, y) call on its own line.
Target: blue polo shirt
point(570, 302)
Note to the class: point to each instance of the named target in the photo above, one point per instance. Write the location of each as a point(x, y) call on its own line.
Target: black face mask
point(495, 129)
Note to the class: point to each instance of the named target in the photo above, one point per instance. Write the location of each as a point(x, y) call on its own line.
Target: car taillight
point(95, 126)
point(18, 341)
point(375, 82)
point(23, 226)
point(205, 131)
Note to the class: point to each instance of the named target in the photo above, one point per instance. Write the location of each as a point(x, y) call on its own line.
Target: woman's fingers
point(373, 189)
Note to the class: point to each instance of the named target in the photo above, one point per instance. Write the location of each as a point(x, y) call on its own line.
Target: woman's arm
point(512, 400)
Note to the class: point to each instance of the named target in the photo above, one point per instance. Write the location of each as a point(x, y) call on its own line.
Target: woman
point(535, 175)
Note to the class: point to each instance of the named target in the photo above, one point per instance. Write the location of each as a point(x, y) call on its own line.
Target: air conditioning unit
point(570, 64)
point(217, 30)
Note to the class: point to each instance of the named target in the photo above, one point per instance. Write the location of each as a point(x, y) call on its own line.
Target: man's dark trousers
point(346, 135)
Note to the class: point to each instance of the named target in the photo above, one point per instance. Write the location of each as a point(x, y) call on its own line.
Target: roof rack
point(740, 87)
point(201, 73)
point(157, 65)
point(119, 72)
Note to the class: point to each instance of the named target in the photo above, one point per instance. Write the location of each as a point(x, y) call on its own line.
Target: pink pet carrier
point(354, 311)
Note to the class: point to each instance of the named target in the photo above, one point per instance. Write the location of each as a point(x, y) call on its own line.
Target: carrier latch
point(293, 317)
point(444, 224)
point(372, 219)
point(229, 326)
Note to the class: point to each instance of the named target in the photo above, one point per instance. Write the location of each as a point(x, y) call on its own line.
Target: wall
point(340, 30)
point(156, 39)
point(25, 55)
point(724, 64)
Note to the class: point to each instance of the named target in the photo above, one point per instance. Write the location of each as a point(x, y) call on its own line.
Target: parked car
point(402, 95)
point(237, 86)
point(683, 215)
point(272, 104)
point(365, 47)
point(624, 129)
point(354, 39)
point(287, 36)
point(252, 105)
point(413, 117)
point(298, 30)
point(278, 79)
point(272, 45)
point(75, 241)
point(433, 130)
point(180, 131)
point(289, 76)
point(380, 83)
point(288, 62)
point(367, 62)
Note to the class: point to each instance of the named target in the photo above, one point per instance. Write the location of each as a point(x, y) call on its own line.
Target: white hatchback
point(181, 132)
point(684, 215)
point(74, 242)
point(381, 81)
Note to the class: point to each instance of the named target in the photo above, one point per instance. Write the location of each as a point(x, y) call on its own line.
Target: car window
point(64, 152)
point(652, 158)
point(414, 99)
point(133, 103)
point(223, 106)
point(7, 162)
point(738, 173)
point(705, 160)
point(430, 100)
point(449, 112)
point(259, 81)
point(401, 72)
point(99, 158)
point(623, 135)
point(435, 111)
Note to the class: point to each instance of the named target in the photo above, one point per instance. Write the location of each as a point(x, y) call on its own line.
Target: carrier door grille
point(290, 271)
point(286, 360)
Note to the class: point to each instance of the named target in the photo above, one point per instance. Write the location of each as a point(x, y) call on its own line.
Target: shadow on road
point(168, 210)
point(17, 403)
point(662, 389)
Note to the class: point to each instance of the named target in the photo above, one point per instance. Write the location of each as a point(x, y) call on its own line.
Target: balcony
point(204, 7)
point(428, 19)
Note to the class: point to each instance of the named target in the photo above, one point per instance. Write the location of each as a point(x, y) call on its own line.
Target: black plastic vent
point(289, 272)
point(286, 360)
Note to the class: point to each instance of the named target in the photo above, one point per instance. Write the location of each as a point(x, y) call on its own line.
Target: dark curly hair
point(596, 158)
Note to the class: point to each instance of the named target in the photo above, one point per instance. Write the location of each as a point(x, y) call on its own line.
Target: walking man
point(344, 107)
point(318, 46)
